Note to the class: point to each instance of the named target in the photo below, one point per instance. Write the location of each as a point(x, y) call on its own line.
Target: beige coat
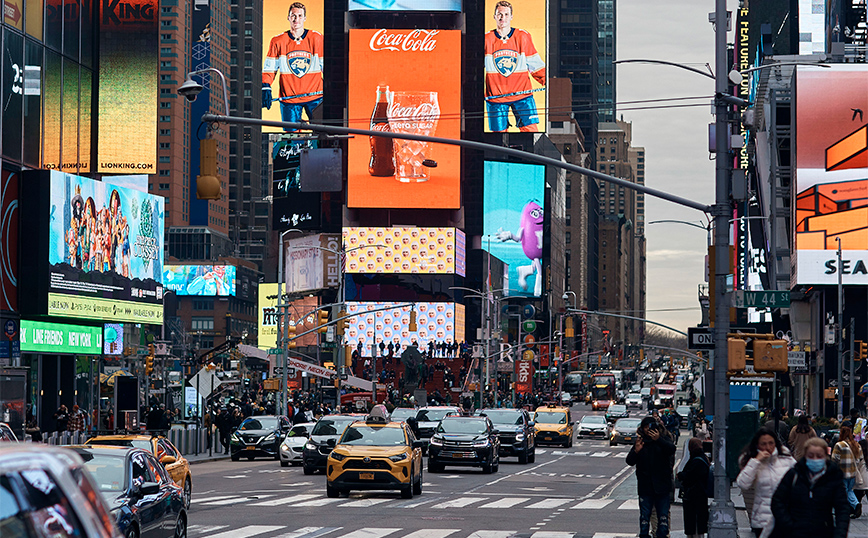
point(797, 442)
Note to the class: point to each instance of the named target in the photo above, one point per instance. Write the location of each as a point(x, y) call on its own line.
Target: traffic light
point(207, 182)
point(736, 354)
point(568, 327)
point(149, 360)
point(861, 350)
point(152, 351)
point(323, 321)
point(290, 335)
point(770, 356)
point(341, 323)
point(412, 321)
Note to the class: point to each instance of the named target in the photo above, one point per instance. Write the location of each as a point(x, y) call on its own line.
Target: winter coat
point(764, 477)
point(805, 511)
point(693, 479)
point(797, 441)
point(653, 466)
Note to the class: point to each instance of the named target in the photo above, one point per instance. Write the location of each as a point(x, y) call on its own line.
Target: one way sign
point(700, 338)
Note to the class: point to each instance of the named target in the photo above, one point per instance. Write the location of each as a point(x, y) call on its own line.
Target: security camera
point(190, 89)
point(565, 297)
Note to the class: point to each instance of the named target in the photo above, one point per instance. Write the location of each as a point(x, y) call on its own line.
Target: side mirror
point(495, 432)
point(531, 424)
point(145, 488)
point(168, 460)
point(418, 443)
point(331, 443)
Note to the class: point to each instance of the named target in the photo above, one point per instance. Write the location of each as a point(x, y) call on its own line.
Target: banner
point(39, 337)
point(298, 314)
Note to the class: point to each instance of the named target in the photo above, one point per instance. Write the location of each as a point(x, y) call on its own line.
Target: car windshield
point(134, 443)
point(373, 436)
point(261, 423)
point(432, 415)
point(617, 408)
point(503, 416)
point(627, 424)
point(595, 419)
point(403, 413)
point(463, 426)
point(298, 431)
point(107, 470)
point(646, 391)
point(332, 425)
point(549, 417)
point(683, 411)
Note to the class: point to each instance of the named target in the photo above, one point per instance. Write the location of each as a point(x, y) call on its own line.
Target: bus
point(574, 383)
point(602, 387)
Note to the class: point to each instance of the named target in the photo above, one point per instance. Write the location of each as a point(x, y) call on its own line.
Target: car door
point(164, 497)
point(176, 470)
point(147, 507)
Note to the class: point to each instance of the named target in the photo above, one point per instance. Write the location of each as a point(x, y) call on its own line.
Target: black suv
point(317, 449)
point(464, 441)
point(258, 436)
point(516, 432)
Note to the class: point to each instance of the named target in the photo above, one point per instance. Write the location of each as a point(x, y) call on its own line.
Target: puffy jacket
point(764, 478)
point(803, 510)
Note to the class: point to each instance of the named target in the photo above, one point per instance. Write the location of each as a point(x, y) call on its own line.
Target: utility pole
point(840, 330)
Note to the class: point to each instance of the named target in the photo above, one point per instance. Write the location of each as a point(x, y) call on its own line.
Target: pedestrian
point(861, 491)
point(777, 424)
point(652, 455)
point(77, 420)
point(694, 479)
point(766, 462)
point(847, 454)
point(811, 501)
point(61, 418)
point(206, 424)
point(224, 426)
point(799, 436)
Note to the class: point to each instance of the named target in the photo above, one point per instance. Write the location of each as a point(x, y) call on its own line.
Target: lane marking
point(246, 532)
point(593, 504)
point(309, 532)
point(631, 504)
point(204, 529)
point(460, 502)
point(364, 503)
point(287, 500)
point(319, 502)
point(431, 533)
point(505, 503)
point(549, 503)
point(370, 532)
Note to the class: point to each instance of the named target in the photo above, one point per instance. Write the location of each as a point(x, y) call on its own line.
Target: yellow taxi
point(175, 463)
point(375, 453)
point(553, 424)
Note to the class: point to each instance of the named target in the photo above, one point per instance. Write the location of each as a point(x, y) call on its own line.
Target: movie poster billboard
point(435, 322)
point(404, 5)
point(515, 66)
point(292, 61)
point(404, 81)
point(128, 86)
point(311, 263)
point(200, 280)
point(513, 216)
point(299, 313)
point(405, 250)
point(831, 155)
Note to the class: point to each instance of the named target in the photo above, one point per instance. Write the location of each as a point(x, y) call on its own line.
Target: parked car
point(47, 492)
point(258, 436)
point(292, 447)
point(143, 498)
point(317, 449)
point(516, 432)
point(464, 441)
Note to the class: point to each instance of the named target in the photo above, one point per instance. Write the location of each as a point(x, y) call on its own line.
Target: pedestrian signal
point(412, 321)
point(736, 354)
point(770, 356)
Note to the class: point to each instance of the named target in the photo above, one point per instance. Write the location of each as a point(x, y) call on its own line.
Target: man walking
point(653, 457)
point(78, 419)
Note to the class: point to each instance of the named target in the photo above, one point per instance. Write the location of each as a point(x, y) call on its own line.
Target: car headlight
point(310, 445)
point(337, 456)
point(269, 437)
point(235, 438)
point(519, 437)
point(398, 457)
point(481, 443)
point(436, 442)
point(284, 446)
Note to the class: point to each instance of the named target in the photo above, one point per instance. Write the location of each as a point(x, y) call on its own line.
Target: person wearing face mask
point(811, 501)
point(767, 464)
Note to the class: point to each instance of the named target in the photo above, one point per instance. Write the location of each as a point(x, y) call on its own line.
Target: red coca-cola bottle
point(382, 157)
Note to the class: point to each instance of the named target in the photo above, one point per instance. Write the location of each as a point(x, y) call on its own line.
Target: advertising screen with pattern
point(435, 322)
point(405, 250)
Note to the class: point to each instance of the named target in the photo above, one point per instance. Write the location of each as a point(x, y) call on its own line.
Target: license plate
point(457, 455)
point(548, 438)
point(628, 438)
point(366, 476)
point(250, 448)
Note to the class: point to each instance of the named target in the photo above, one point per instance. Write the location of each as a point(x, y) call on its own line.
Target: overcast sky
point(675, 142)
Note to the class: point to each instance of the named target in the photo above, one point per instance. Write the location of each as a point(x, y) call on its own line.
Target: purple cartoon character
point(530, 235)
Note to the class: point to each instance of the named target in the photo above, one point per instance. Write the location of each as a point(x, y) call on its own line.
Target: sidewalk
point(218, 455)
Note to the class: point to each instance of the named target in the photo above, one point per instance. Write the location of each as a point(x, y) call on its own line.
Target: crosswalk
point(429, 501)
point(281, 531)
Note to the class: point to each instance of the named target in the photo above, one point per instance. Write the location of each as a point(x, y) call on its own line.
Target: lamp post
point(561, 345)
point(281, 313)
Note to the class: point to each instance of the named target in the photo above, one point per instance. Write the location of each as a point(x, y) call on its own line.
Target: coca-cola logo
point(412, 40)
point(423, 112)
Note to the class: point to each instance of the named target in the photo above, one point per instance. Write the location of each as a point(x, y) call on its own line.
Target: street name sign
point(761, 299)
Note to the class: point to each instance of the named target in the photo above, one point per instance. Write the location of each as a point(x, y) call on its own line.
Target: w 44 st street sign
point(761, 299)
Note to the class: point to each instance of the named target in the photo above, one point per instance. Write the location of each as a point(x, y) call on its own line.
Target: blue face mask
point(815, 466)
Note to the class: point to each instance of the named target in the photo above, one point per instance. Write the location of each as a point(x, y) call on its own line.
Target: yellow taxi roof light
point(378, 415)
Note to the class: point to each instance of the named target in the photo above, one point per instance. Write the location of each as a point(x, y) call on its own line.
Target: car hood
point(428, 423)
point(377, 451)
point(258, 433)
point(295, 441)
point(460, 437)
point(549, 426)
point(114, 499)
point(508, 428)
point(592, 426)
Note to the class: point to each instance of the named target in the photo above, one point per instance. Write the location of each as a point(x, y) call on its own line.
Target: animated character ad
point(211, 280)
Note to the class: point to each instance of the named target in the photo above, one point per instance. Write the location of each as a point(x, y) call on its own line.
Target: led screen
point(515, 69)
point(311, 263)
point(213, 280)
point(292, 55)
point(9, 216)
point(39, 337)
point(113, 339)
point(513, 215)
point(404, 81)
point(404, 5)
point(405, 250)
point(128, 86)
point(435, 322)
point(831, 174)
point(299, 313)
point(292, 208)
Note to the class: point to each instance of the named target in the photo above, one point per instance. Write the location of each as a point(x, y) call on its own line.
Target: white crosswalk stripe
point(549, 503)
point(364, 503)
point(318, 502)
point(253, 531)
point(593, 504)
point(552, 534)
point(369, 532)
point(460, 502)
point(507, 502)
point(234, 500)
point(287, 500)
point(632, 504)
point(309, 532)
point(193, 530)
point(210, 499)
point(247, 532)
point(491, 534)
point(603, 454)
point(431, 533)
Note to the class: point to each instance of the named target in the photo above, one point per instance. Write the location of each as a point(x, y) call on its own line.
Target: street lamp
point(281, 309)
point(561, 344)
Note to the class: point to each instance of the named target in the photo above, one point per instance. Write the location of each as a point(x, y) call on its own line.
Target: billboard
point(212, 280)
point(831, 180)
point(435, 322)
point(512, 223)
point(292, 61)
point(9, 216)
point(405, 250)
point(292, 208)
point(113, 339)
point(515, 69)
point(299, 312)
point(309, 263)
point(39, 337)
point(128, 86)
point(404, 81)
point(404, 5)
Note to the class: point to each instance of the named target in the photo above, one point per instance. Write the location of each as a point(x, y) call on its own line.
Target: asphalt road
point(583, 491)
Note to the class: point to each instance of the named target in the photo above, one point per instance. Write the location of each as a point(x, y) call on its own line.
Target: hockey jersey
point(508, 60)
point(299, 64)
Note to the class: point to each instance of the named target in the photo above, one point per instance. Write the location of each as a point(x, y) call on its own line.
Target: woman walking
point(694, 479)
point(847, 454)
point(811, 501)
point(799, 436)
point(767, 462)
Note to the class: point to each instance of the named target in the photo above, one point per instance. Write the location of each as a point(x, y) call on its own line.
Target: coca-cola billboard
point(404, 81)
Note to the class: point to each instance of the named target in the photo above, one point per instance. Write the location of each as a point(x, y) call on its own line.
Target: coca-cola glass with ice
point(413, 113)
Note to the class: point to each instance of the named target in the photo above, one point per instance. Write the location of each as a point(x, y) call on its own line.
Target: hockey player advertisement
point(404, 81)
point(515, 71)
point(292, 56)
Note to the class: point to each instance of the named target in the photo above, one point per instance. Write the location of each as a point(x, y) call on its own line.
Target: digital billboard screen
point(515, 66)
point(311, 263)
point(291, 207)
point(41, 337)
point(831, 154)
point(435, 322)
point(212, 280)
point(404, 5)
point(405, 250)
point(113, 339)
point(299, 313)
point(128, 86)
point(404, 81)
point(292, 61)
point(513, 217)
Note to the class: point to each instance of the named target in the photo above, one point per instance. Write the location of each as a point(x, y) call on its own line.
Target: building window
point(569, 205)
point(165, 145)
point(567, 185)
point(165, 118)
point(165, 173)
point(165, 104)
point(202, 324)
point(164, 186)
point(567, 238)
point(203, 303)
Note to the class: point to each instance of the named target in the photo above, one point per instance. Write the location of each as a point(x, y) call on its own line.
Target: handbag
point(861, 474)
